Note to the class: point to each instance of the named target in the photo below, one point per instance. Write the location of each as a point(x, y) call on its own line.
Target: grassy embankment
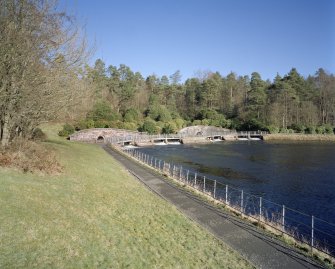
point(95, 215)
point(299, 137)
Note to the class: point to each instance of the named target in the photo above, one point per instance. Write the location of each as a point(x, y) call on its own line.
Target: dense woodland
point(291, 103)
point(44, 76)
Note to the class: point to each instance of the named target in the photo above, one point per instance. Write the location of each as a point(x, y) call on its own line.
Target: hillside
point(96, 215)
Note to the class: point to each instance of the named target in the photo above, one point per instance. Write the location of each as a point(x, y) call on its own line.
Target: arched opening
point(199, 134)
point(100, 139)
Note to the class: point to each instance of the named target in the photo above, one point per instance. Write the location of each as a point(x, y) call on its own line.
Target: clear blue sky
point(162, 36)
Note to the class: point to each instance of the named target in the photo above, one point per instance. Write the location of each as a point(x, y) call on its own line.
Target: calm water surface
point(298, 175)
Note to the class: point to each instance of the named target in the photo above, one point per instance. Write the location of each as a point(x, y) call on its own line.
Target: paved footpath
point(259, 248)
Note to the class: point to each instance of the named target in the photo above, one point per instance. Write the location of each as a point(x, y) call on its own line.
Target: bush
point(180, 123)
point(169, 128)
point(68, 129)
point(29, 156)
point(320, 130)
point(299, 128)
point(130, 126)
point(273, 129)
point(207, 114)
point(196, 122)
point(102, 124)
point(84, 124)
point(38, 135)
point(310, 130)
point(103, 111)
point(131, 115)
point(329, 129)
point(148, 126)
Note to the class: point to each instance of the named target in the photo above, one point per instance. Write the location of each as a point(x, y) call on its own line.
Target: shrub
point(29, 156)
point(38, 135)
point(131, 115)
point(329, 129)
point(310, 130)
point(205, 122)
point(84, 124)
point(68, 129)
point(299, 128)
point(130, 126)
point(148, 126)
point(103, 111)
point(180, 123)
point(273, 129)
point(196, 122)
point(169, 128)
point(320, 130)
point(101, 124)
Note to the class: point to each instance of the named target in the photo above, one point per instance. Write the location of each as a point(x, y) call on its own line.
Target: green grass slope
point(95, 215)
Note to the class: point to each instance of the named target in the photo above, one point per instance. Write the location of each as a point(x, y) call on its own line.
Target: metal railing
point(315, 233)
point(140, 137)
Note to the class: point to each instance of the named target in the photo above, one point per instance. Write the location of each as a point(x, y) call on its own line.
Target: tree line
point(289, 103)
point(44, 76)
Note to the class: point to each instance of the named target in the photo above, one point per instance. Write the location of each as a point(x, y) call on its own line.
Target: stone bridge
point(192, 134)
point(101, 135)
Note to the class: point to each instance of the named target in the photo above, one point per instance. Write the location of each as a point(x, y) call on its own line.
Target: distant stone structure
point(202, 130)
point(99, 135)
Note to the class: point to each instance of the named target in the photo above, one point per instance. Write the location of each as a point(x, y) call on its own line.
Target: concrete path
point(260, 249)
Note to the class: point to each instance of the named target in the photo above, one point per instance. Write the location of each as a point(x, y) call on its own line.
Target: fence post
point(187, 173)
point(195, 179)
point(260, 209)
point(283, 219)
point(214, 192)
point(226, 194)
point(312, 237)
point(180, 172)
point(163, 168)
point(242, 201)
point(204, 185)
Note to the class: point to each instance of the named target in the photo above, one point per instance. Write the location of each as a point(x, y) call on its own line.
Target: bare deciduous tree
point(41, 53)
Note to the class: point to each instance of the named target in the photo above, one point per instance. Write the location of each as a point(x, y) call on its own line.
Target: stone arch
point(100, 139)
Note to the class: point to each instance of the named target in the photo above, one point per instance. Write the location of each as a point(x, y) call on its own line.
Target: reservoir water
point(299, 175)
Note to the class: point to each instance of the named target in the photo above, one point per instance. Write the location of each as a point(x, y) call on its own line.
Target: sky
point(242, 36)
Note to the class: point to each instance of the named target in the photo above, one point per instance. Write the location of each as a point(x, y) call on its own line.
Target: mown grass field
point(95, 215)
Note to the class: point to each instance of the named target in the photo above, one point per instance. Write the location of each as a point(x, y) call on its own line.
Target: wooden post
point(312, 236)
point(195, 179)
point(180, 172)
point(187, 173)
point(242, 201)
point(226, 194)
point(204, 190)
point(260, 209)
point(214, 192)
point(283, 219)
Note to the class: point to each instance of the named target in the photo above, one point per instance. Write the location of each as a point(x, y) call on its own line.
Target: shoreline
point(299, 137)
point(267, 137)
point(267, 227)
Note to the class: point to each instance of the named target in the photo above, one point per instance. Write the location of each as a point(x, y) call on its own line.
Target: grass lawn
point(95, 215)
